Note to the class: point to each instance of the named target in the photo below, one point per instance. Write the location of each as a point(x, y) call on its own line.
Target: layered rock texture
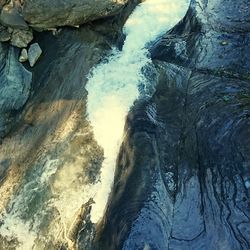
point(182, 178)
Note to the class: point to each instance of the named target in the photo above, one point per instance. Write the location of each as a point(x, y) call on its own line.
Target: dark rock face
point(182, 179)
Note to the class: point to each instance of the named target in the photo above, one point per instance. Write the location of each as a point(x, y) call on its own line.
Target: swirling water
point(113, 86)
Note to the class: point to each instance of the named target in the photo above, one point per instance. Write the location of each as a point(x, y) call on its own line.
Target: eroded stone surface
point(21, 38)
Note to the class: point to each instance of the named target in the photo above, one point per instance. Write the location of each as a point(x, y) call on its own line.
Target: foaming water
point(114, 85)
point(17, 223)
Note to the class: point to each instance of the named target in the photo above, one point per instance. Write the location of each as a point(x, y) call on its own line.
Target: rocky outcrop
point(52, 124)
point(44, 14)
point(182, 177)
point(17, 16)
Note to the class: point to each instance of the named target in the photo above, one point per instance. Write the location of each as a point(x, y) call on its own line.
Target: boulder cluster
point(20, 18)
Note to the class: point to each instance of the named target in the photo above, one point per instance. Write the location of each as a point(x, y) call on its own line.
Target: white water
point(114, 85)
point(15, 227)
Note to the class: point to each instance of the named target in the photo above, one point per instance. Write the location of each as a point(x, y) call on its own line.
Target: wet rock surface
point(182, 177)
point(4, 34)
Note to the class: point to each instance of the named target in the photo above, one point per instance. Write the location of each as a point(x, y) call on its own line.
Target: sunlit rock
point(46, 14)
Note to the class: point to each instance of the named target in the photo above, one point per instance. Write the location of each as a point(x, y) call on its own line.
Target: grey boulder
point(44, 14)
point(34, 53)
point(21, 38)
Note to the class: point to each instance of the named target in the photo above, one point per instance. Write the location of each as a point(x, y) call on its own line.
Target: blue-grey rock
point(15, 85)
point(23, 56)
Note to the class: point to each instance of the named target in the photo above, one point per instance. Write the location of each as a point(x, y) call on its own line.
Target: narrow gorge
point(124, 125)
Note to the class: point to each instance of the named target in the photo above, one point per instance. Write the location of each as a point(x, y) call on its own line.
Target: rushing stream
point(46, 204)
point(117, 83)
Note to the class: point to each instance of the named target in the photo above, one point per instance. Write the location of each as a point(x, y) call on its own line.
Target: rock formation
point(17, 16)
point(182, 179)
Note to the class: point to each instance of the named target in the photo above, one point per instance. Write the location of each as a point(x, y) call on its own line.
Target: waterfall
point(46, 195)
point(114, 84)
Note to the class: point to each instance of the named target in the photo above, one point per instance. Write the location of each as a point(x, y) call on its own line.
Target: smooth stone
point(23, 56)
point(34, 53)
